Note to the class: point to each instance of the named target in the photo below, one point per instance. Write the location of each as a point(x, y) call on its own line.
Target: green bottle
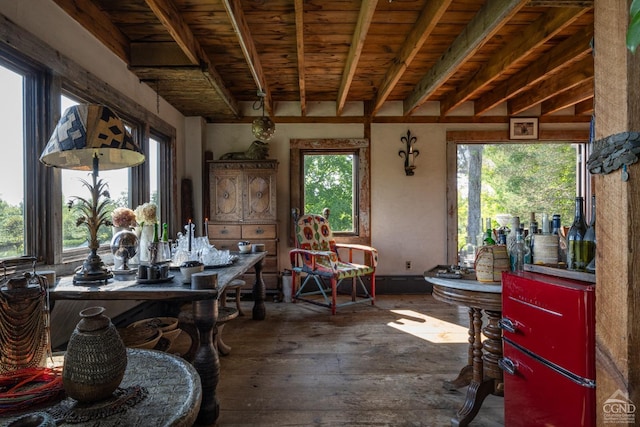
point(155, 233)
point(165, 232)
point(488, 237)
point(577, 247)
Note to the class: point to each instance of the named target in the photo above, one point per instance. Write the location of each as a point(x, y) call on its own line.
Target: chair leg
point(334, 294)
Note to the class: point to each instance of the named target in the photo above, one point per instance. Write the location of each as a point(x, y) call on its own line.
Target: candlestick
point(189, 230)
point(206, 228)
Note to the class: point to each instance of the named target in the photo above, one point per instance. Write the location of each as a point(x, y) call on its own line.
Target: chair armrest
point(370, 253)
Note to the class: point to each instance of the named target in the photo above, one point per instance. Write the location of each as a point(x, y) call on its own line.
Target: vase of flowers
point(123, 219)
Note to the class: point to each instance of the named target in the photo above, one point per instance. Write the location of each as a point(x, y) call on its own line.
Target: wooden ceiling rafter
point(572, 76)
point(299, 19)
point(567, 98)
point(420, 32)
point(570, 50)
point(236, 16)
point(171, 18)
point(491, 17)
point(584, 107)
point(365, 16)
point(92, 18)
point(532, 38)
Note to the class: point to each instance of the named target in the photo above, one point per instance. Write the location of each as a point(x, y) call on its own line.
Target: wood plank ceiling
point(206, 56)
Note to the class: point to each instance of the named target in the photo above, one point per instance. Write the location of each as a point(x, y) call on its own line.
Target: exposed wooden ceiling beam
point(99, 24)
point(236, 15)
point(299, 13)
point(584, 107)
point(570, 50)
point(429, 17)
point(367, 9)
point(171, 18)
point(534, 35)
point(493, 15)
point(570, 77)
point(568, 98)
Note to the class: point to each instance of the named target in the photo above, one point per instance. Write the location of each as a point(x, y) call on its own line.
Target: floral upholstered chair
point(321, 265)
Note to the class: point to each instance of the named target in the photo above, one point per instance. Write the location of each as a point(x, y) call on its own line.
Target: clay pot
point(96, 358)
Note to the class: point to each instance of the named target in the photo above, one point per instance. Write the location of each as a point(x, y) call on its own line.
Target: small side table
point(482, 373)
point(173, 386)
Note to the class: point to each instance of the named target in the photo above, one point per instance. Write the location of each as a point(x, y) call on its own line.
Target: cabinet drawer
point(270, 264)
point(223, 231)
point(259, 231)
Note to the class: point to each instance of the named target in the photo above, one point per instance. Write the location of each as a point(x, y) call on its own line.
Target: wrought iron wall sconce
point(409, 154)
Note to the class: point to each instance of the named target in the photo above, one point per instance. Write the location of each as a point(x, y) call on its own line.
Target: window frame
point(496, 137)
point(362, 196)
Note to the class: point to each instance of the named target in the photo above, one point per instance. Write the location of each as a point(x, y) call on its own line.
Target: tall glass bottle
point(511, 238)
point(155, 233)
point(577, 251)
point(521, 252)
point(590, 237)
point(529, 241)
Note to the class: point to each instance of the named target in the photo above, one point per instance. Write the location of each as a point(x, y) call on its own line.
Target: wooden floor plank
point(380, 365)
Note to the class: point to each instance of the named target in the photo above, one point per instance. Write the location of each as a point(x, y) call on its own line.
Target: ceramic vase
point(96, 358)
point(146, 238)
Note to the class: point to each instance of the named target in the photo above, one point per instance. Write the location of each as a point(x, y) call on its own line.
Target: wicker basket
point(491, 261)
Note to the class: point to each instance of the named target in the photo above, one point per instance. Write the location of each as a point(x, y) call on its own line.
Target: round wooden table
point(482, 373)
point(173, 395)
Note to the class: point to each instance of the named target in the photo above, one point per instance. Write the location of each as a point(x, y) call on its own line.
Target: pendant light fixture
point(263, 127)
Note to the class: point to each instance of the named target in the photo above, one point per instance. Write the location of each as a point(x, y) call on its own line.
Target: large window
point(334, 174)
point(12, 169)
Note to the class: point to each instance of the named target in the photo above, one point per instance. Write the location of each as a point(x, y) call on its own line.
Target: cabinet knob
point(259, 231)
point(225, 195)
point(224, 231)
point(259, 194)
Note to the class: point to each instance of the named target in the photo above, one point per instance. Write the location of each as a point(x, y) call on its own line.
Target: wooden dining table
point(205, 309)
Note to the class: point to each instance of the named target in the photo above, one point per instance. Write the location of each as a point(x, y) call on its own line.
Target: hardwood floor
point(366, 366)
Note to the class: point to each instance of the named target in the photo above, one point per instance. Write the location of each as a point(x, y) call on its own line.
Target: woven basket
point(491, 261)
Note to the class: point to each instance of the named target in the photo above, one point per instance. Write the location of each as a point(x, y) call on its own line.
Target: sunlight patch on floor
point(429, 328)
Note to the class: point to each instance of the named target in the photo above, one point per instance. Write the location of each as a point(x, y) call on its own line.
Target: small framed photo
point(523, 128)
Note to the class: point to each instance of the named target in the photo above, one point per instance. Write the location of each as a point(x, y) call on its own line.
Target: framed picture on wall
point(523, 128)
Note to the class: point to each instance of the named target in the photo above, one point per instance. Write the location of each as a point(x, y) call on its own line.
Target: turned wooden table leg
point(259, 294)
point(206, 361)
point(493, 351)
point(478, 389)
point(464, 377)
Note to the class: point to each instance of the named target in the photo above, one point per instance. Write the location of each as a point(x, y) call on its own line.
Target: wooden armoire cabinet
point(242, 206)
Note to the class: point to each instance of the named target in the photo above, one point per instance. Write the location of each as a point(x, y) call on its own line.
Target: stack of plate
point(168, 327)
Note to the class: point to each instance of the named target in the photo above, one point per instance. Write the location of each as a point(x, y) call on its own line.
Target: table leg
point(464, 377)
point(206, 361)
point(480, 386)
point(259, 294)
point(493, 351)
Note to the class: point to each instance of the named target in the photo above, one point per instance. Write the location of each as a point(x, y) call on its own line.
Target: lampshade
point(88, 131)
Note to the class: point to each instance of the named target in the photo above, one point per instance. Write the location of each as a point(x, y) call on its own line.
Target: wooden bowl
point(165, 324)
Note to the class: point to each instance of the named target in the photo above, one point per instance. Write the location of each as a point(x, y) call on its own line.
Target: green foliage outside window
point(328, 183)
point(518, 179)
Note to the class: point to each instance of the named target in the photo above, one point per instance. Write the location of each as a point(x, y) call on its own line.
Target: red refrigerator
point(548, 326)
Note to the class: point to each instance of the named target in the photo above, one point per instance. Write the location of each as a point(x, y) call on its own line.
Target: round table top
point(173, 399)
point(468, 293)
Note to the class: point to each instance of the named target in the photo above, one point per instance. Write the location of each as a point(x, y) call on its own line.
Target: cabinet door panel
point(260, 197)
point(226, 194)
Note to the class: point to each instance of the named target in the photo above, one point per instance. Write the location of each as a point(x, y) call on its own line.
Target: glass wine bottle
point(590, 237)
point(577, 248)
point(529, 241)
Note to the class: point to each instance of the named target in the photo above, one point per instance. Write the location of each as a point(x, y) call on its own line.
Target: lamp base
point(92, 272)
